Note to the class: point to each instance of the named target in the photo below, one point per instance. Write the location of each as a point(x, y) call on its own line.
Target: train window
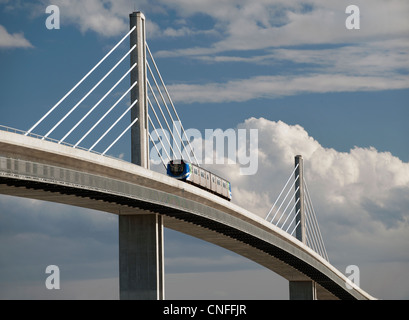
point(195, 171)
point(177, 169)
point(202, 174)
point(213, 179)
point(208, 177)
point(224, 184)
point(218, 182)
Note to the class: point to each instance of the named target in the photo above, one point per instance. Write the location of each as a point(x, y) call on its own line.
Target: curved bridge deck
point(44, 170)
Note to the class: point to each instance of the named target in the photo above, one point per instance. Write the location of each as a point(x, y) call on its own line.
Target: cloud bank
point(360, 197)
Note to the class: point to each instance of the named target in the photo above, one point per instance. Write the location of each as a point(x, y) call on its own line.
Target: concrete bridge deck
point(44, 170)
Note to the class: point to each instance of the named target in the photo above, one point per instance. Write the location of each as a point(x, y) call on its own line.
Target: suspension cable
point(167, 109)
point(296, 214)
point(315, 221)
point(164, 117)
point(106, 132)
point(150, 137)
point(171, 102)
point(86, 76)
point(160, 124)
point(105, 114)
point(282, 191)
point(159, 138)
point(98, 103)
point(295, 180)
point(123, 132)
point(287, 205)
point(289, 214)
point(89, 92)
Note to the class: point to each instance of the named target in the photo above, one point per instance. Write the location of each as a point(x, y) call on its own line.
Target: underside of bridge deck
point(251, 246)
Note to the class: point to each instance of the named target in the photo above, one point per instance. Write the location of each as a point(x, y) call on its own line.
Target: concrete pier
point(303, 290)
point(141, 266)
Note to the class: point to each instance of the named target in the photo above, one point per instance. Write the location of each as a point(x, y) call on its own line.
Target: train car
point(200, 177)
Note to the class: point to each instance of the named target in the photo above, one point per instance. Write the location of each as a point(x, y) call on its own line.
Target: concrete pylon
point(141, 269)
point(141, 261)
point(299, 187)
point(139, 131)
point(301, 290)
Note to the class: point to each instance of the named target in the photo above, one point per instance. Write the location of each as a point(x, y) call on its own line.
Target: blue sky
point(291, 69)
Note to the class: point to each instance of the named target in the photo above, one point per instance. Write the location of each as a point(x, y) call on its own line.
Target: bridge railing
point(63, 177)
point(40, 137)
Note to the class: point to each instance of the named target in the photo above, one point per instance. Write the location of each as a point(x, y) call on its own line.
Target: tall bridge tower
point(141, 261)
point(301, 290)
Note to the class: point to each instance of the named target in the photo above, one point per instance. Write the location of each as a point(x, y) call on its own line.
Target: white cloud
point(365, 67)
point(274, 33)
point(278, 86)
point(376, 57)
point(102, 17)
point(250, 25)
point(361, 196)
point(246, 25)
point(111, 18)
point(15, 40)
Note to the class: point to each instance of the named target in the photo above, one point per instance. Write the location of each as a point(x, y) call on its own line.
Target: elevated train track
point(39, 169)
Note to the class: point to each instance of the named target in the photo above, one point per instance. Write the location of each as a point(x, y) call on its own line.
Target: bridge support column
point(141, 262)
point(141, 265)
point(303, 290)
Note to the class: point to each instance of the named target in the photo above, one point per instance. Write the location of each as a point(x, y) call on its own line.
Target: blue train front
point(200, 177)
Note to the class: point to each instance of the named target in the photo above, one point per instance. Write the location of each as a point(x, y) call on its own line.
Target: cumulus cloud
point(15, 40)
point(360, 197)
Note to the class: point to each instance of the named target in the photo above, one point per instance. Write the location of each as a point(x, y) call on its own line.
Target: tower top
point(137, 13)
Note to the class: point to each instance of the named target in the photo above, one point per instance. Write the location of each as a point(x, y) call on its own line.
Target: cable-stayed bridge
point(76, 169)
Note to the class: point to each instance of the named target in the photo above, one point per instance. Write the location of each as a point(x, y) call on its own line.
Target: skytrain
point(200, 177)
